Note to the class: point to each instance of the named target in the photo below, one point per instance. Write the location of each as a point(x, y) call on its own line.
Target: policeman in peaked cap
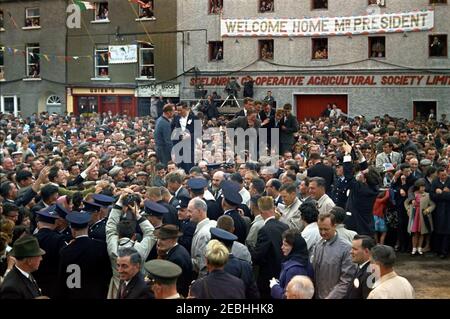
point(154, 212)
point(90, 255)
point(230, 202)
point(164, 273)
point(103, 200)
point(197, 189)
point(62, 226)
point(52, 242)
point(187, 227)
point(97, 230)
point(235, 266)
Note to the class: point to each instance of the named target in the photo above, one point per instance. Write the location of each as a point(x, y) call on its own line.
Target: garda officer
point(91, 259)
point(154, 212)
point(163, 274)
point(197, 188)
point(339, 192)
point(231, 200)
point(62, 226)
point(97, 228)
point(235, 266)
point(52, 242)
point(187, 227)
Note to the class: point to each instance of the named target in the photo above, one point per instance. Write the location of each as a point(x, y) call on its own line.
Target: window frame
point(430, 41)
point(313, 49)
point(377, 2)
point(32, 17)
point(16, 104)
point(260, 3)
point(210, 7)
point(141, 12)
point(30, 47)
point(53, 103)
point(97, 10)
point(260, 47)
point(2, 20)
point(371, 43)
point(104, 49)
point(2, 65)
point(438, 3)
point(212, 48)
point(141, 65)
point(314, 8)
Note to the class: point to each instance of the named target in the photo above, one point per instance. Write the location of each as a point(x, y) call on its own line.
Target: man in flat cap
point(52, 242)
point(90, 255)
point(19, 283)
point(164, 276)
point(169, 249)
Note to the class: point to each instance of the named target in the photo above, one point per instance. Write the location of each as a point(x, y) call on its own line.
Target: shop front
point(169, 91)
point(102, 100)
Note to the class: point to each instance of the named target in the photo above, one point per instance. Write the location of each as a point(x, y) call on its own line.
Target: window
point(215, 51)
point(86, 104)
point(380, 3)
point(53, 100)
point(146, 61)
point(101, 62)
point(266, 6)
point(265, 49)
point(101, 11)
point(1, 20)
point(9, 104)
point(438, 1)
point(2, 62)
point(215, 6)
point(32, 17)
point(33, 61)
point(146, 9)
point(320, 49)
point(438, 45)
point(377, 47)
point(319, 4)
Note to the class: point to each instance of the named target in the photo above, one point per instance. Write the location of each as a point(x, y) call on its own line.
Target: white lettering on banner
point(166, 90)
point(321, 26)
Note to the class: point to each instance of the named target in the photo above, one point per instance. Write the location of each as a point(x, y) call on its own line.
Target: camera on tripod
point(232, 87)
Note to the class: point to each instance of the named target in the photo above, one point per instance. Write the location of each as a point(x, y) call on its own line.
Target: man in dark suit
point(132, 284)
point(248, 104)
point(267, 116)
point(52, 242)
point(360, 286)
point(169, 249)
point(91, 257)
point(49, 195)
point(162, 135)
point(289, 126)
point(154, 194)
point(267, 254)
point(230, 202)
point(175, 185)
point(183, 128)
point(196, 188)
point(19, 283)
point(187, 227)
point(321, 170)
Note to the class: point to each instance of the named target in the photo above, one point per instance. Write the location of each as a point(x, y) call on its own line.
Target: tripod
point(231, 98)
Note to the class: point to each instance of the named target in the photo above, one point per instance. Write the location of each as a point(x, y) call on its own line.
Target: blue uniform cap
point(230, 191)
point(48, 214)
point(91, 207)
point(78, 220)
point(183, 202)
point(103, 200)
point(61, 210)
point(155, 209)
point(197, 183)
point(222, 235)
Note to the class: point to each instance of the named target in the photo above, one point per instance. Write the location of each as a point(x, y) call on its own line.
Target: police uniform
point(339, 191)
point(231, 195)
point(154, 209)
point(52, 242)
point(92, 261)
point(164, 272)
point(235, 266)
point(187, 227)
point(178, 255)
point(98, 229)
point(198, 185)
point(62, 213)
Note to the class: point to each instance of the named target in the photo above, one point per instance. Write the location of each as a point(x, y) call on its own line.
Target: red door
point(312, 105)
point(127, 105)
point(109, 103)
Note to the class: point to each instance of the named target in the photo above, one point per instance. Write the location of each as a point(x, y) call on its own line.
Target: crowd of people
point(99, 207)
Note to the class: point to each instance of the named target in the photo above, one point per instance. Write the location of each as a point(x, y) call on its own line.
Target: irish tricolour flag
point(84, 5)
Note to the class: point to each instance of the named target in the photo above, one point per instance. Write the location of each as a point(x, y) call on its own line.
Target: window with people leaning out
point(266, 51)
point(320, 49)
point(101, 62)
point(2, 65)
point(146, 9)
point(380, 3)
point(215, 6)
point(33, 60)
point(377, 47)
point(215, 51)
point(438, 45)
point(319, 4)
point(266, 6)
point(32, 17)
point(1, 20)
point(101, 11)
point(146, 61)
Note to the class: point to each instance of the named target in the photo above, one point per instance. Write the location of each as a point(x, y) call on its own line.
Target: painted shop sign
point(323, 26)
point(166, 90)
point(331, 80)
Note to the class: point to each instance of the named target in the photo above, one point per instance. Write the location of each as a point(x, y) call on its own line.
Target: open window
point(319, 4)
point(2, 63)
point(146, 9)
point(380, 3)
point(438, 46)
point(266, 49)
point(33, 61)
point(377, 47)
point(215, 6)
point(319, 48)
point(32, 18)
point(101, 11)
point(2, 20)
point(215, 51)
point(266, 6)
point(101, 62)
point(146, 61)
point(438, 1)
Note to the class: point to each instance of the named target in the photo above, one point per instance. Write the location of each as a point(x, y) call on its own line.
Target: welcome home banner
point(322, 26)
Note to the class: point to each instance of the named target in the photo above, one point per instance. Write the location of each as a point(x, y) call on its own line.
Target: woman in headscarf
point(296, 262)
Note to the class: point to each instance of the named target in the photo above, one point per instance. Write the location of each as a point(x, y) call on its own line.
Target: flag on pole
point(84, 5)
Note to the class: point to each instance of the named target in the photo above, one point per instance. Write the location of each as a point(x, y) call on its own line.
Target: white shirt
point(183, 123)
point(245, 194)
point(271, 217)
point(312, 236)
point(27, 275)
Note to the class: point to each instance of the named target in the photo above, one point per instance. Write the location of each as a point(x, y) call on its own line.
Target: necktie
point(389, 158)
point(123, 286)
point(35, 285)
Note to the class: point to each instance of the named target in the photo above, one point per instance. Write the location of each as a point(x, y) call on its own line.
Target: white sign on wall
point(121, 54)
point(166, 90)
point(323, 26)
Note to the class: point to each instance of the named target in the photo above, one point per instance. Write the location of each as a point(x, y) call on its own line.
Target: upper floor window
point(2, 23)
point(101, 11)
point(215, 51)
point(381, 3)
point(377, 47)
point(438, 1)
point(101, 62)
point(319, 4)
point(33, 61)
point(215, 6)
point(146, 9)
point(32, 17)
point(320, 49)
point(266, 6)
point(146, 61)
point(266, 51)
point(2, 62)
point(438, 45)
